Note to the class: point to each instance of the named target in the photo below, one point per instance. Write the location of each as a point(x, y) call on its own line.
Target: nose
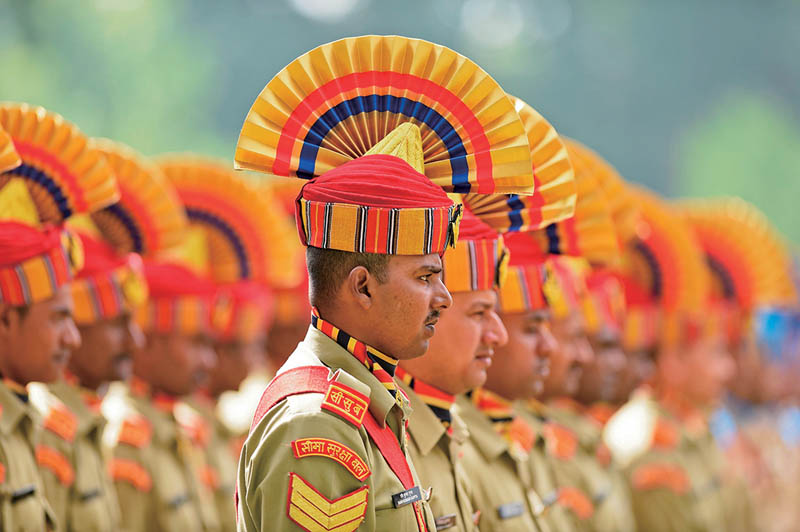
point(135, 337)
point(441, 298)
point(549, 344)
point(71, 337)
point(495, 333)
point(583, 350)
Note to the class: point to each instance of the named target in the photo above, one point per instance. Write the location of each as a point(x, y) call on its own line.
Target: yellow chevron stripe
point(314, 512)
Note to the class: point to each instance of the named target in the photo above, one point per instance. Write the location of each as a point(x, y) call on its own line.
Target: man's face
point(521, 365)
point(570, 357)
point(106, 351)
point(708, 368)
point(406, 308)
point(178, 364)
point(461, 351)
point(602, 379)
point(235, 359)
point(37, 341)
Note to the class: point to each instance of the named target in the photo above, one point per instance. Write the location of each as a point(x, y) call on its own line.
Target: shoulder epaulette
point(61, 422)
point(131, 472)
point(51, 459)
point(135, 431)
point(660, 475)
point(522, 433)
point(346, 402)
point(561, 442)
point(2, 473)
point(665, 435)
point(577, 501)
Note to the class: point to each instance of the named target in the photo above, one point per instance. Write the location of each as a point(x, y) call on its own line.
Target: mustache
point(433, 316)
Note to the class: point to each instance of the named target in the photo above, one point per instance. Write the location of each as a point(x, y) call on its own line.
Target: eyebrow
point(430, 268)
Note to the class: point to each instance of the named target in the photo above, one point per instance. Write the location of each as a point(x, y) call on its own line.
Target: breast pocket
point(22, 509)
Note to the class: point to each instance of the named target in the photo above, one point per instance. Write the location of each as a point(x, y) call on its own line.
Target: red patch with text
point(334, 450)
point(346, 402)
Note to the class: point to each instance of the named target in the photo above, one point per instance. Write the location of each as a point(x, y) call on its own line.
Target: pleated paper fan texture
point(334, 103)
point(149, 217)
point(624, 211)
point(64, 174)
point(249, 235)
point(554, 195)
point(750, 262)
point(665, 257)
point(9, 158)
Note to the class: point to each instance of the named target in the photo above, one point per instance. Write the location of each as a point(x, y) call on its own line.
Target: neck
point(357, 325)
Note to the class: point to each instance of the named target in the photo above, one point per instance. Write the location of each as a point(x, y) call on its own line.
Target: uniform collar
point(481, 430)
point(12, 410)
point(75, 399)
point(335, 356)
point(425, 427)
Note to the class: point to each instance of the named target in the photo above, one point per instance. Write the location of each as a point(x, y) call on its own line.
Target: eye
point(425, 278)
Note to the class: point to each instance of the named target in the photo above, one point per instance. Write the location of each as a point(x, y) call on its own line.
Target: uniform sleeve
point(280, 492)
point(53, 457)
point(661, 497)
point(133, 484)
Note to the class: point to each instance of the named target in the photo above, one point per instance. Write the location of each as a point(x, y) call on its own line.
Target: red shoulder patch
point(654, 476)
point(51, 459)
point(561, 442)
point(346, 402)
point(61, 422)
point(666, 435)
point(334, 450)
point(135, 431)
point(600, 413)
point(577, 501)
point(2, 473)
point(522, 433)
point(130, 472)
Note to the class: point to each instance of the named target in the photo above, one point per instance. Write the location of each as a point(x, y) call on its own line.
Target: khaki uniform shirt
point(500, 476)
point(152, 470)
point(276, 489)
point(22, 503)
point(71, 460)
point(591, 469)
point(435, 452)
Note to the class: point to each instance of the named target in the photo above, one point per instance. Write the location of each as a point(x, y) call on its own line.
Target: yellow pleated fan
point(149, 216)
point(750, 262)
point(624, 210)
point(16, 204)
point(555, 192)
point(665, 256)
point(64, 174)
point(9, 158)
point(337, 101)
point(248, 233)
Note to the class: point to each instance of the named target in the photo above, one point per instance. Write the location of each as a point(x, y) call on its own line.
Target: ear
point(10, 319)
point(360, 286)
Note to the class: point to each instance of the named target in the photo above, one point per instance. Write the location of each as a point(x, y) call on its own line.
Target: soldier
point(153, 459)
point(246, 240)
point(327, 449)
point(58, 175)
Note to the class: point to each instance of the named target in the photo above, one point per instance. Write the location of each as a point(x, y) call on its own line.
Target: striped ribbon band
point(109, 294)
point(522, 290)
point(382, 366)
point(187, 315)
point(438, 401)
point(476, 265)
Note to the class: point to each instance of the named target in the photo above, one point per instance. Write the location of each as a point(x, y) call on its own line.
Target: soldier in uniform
point(246, 239)
point(327, 449)
point(153, 459)
point(57, 175)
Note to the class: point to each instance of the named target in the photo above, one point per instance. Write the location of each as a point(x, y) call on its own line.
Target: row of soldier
point(504, 334)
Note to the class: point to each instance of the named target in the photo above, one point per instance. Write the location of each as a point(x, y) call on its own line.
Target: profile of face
point(461, 351)
point(603, 377)
point(521, 365)
point(707, 367)
point(175, 363)
point(570, 357)
point(235, 359)
point(402, 312)
point(106, 351)
point(37, 340)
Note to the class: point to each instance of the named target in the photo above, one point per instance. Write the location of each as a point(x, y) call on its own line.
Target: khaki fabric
point(436, 452)
point(267, 463)
point(22, 503)
point(86, 501)
point(172, 499)
point(500, 476)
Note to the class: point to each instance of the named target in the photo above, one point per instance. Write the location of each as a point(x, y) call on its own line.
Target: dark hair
point(328, 268)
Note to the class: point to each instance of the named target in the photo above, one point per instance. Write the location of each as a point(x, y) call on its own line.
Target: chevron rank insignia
point(333, 450)
point(346, 402)
point(314, 512)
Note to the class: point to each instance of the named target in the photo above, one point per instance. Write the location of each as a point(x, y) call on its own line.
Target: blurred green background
point(691, 98)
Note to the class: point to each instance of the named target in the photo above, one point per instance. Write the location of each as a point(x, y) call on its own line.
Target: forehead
point(475, 298)
point(414, 263)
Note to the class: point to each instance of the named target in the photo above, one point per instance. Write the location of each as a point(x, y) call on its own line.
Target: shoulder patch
point(346, 402)
point(51, 459)
point(135, 431)
point(2, 473)
point(334, 450)
point(314, 512)
point(577, 501)
point(654, 476)
point(131, 472)
point(665, 435)
point(520, 432)
point(560, 441)
point(62, 422)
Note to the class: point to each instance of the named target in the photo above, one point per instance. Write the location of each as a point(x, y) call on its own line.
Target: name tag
point(407, 497)
point(446, 521)
point(22, 493)
point(510, 510)
point(178, 500)
point(89, 495)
